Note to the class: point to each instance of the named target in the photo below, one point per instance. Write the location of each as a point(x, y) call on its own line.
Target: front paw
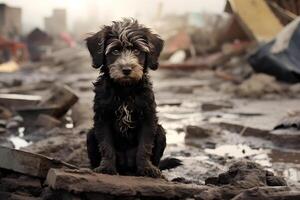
point(106, 169)
point(150, 171)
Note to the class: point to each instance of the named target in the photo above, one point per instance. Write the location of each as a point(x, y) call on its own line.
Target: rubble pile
point(227, 93)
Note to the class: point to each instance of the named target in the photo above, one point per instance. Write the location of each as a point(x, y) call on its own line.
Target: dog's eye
point(136, 52)
point(116, 52)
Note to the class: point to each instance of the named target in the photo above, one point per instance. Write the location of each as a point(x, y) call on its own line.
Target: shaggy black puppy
point(126, 137)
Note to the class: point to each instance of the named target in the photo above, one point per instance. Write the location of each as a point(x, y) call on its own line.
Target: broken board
point(28, 163)
point(256, 18)
point(86, 181)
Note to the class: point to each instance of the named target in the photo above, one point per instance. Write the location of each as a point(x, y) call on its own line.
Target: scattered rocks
point(246, 175)
point(241, 176)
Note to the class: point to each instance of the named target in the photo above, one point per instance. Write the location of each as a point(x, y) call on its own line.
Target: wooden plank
point(18, 100)
point(85, 181)
point(62, 97)
point(28, 163)
point(257, 19)
point(59, 101)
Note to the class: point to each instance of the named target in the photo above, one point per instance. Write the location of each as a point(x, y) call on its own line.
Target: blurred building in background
point(57, 23)
point(10, 21)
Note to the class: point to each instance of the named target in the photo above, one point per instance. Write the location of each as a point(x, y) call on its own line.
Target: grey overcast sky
point(34, 11)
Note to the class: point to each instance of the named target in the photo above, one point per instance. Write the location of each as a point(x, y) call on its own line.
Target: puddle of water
point(292, 173)
point(235, 151)
point(222, 117)
point(173, 137)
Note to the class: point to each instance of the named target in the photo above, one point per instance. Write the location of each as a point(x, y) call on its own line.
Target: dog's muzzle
point(127, 70)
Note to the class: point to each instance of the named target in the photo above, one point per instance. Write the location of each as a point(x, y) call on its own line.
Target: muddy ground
point(197, 108)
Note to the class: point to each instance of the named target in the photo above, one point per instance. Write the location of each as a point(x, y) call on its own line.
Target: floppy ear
point(155, 45)
point(96, 47)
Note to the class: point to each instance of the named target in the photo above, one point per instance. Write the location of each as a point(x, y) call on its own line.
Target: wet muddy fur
point(126, 137)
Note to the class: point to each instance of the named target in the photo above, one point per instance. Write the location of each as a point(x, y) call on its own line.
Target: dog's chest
point(125, 117)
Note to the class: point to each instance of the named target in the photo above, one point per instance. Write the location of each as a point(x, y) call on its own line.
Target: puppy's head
point(125, 50)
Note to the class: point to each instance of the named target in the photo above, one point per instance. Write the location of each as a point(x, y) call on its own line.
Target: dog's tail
point(169, 163)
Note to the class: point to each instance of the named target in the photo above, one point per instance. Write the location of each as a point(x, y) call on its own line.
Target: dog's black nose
point(126, 70)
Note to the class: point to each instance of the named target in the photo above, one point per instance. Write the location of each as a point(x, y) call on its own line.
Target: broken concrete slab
point(60, 100)
point(18, 100)
point(64, 144)
point(46, 121)
point(85, 181)
point(242, 177)
point(280, 138)
point(29, 163)
point(62, 97)
point(30, 114)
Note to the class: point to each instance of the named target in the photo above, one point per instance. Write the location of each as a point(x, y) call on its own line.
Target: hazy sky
point(34, 11)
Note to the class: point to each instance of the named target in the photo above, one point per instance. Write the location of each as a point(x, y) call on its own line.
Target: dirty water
point(205, 156)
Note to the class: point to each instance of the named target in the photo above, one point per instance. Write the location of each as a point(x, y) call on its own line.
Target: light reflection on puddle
point(222, 117)
point(173, 137)
point(175, 118)
point(236, 151)
point(292, 173)
point(241, 151)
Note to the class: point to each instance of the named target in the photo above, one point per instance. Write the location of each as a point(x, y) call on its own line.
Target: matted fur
point(126, 33)
point(126, 137)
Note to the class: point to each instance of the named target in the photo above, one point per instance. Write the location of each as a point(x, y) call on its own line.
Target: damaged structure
point(227, 93)
point(57, 23)
point(10, 21)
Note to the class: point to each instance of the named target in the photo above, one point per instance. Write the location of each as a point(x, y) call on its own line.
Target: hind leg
point(93, 149)
point(159, 145)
